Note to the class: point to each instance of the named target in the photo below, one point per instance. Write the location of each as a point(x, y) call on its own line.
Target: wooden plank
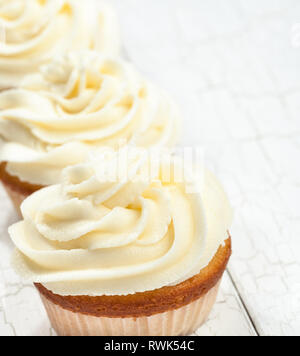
point(22, 312)
point(229, 317)
point(231, 67)
point(234, 69)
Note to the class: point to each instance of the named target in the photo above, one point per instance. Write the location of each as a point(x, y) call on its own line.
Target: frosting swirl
point(79, 102)
point(94, 235)
point(33, 31)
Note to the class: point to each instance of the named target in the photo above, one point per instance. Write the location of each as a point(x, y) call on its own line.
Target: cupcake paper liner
point(179, 322)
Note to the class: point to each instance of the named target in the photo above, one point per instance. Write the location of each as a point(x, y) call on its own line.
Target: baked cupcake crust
point(15, 184)
point(147, 303)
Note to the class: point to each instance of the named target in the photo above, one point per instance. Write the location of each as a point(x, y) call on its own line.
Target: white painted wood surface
point(234, 67)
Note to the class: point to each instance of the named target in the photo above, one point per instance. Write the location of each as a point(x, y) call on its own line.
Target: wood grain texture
point(233, 67)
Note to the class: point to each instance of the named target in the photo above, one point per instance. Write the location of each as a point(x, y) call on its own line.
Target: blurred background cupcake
point(32, 32)
point(116, 250)
point(76, 104)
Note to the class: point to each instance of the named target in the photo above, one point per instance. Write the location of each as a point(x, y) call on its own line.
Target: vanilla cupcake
point(116, 251)
point(78, 103)
point(33, 31)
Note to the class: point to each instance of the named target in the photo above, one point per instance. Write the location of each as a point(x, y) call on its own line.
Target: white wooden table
point(234, 67)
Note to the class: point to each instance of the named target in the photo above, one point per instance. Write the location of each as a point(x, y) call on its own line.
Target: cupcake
point(116, 251)
point(72, 106)
point(32, 32)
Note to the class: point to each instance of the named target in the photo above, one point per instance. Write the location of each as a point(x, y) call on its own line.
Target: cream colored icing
point(97, 235)
point(79, 102)
point(33, 31)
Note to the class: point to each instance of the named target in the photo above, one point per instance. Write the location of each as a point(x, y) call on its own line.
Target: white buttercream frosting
point(33, 31)
point(79, 102)
point(96, 235)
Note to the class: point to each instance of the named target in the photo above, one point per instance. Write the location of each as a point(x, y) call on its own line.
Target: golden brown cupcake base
point(194, 297)
point(17, 190)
